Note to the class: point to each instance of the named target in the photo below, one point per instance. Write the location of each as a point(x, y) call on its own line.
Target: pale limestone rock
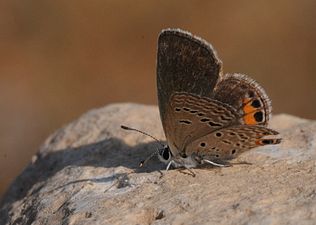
point(87, 173)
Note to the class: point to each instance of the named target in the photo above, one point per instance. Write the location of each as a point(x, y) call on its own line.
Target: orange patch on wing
point(259, 142)
point(248, 107)
point(249, 119)
point(249, 111)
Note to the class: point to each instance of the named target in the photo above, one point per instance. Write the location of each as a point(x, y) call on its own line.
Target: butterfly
point(208, 117)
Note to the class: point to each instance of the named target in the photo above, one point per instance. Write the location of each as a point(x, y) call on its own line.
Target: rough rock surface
point(87, 173)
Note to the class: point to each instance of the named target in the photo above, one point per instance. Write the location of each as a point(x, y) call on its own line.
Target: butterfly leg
point(192, 173)
point(173, 162)
point(214, 163)
point(182, 170)
point(161, 174)
point(169, 164)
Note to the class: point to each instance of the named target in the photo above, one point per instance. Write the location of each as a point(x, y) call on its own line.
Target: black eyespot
point(205, 120)
point(193, 111)
point(178, 109)
point(216, 156)
point(233, 151)
point(202, 144)
point(256, 103)
point(267, 141)
point(213, 148)
point(186, 109)
point(237, 144)
point(258, 116)
point(232, 134)
point(218, 134)
point(201, 114)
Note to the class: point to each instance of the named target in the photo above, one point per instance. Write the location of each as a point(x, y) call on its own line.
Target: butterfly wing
point(184, 64)
point(190, 117)
point(196, 101)
point(228, 143)
point(243, 132)
point(246, 96)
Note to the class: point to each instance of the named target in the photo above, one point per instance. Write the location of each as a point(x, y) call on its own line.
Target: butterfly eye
point(165, 154)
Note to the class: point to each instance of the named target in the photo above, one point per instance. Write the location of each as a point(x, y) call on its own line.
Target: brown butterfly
point(208, 117)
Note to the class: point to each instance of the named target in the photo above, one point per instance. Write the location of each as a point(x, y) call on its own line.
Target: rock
point(87, 173)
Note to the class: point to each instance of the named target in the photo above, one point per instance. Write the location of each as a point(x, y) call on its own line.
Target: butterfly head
point(164, 154)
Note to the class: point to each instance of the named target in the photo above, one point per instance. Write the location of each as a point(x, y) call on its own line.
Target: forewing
point(184, 64)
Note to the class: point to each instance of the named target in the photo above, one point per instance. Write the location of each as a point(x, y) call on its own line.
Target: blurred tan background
point(59, 59)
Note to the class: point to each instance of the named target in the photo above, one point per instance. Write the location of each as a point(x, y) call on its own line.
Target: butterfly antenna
point(143, 162)
point(142, 132)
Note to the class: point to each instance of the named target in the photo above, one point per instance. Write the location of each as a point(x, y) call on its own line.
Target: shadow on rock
point(109, 153)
